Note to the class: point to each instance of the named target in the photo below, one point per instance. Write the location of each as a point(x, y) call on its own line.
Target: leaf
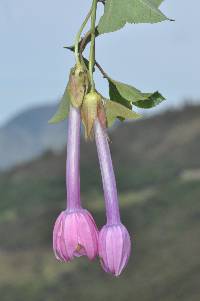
point(117, 13)
point(114, 94)
point(128, 95)
point(115, 110)
point(63, 109)
point(152, 100)
point(157, 2)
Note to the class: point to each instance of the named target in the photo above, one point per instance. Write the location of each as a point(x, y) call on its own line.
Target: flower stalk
point(92, 46)
point(78, 36)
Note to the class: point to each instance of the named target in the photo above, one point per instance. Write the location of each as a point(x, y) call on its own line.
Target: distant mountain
point(28, 135)
point(173, 136)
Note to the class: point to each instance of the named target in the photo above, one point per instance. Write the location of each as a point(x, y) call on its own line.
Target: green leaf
point(63, 109)
point(157, 2)
point(115, 95)
point(115, 110)
point(151, 101)
point(128, 95)
point(117, 13)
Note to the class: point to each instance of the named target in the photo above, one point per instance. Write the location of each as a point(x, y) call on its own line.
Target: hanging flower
point(114, 248)
point(75, 232)
point(114, 239)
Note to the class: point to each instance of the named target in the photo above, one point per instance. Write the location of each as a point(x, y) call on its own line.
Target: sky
point(34, 66)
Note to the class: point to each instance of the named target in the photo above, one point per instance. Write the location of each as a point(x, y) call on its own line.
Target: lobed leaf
point(151, 101)
point(115, 95)
point(117, 13)
point(128, 95)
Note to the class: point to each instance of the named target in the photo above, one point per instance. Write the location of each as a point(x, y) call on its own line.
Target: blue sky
point(34, 66)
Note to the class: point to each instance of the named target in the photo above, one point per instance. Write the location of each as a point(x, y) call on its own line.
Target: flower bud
point(89, 111)
point(75, 234)
point(78, 85)
point(114, 248)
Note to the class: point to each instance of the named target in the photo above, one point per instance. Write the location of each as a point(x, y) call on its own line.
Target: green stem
point(78, 36)
point(92, 47)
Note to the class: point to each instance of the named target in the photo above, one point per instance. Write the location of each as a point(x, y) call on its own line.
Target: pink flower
point(75, 234)
point(114, 248)
point(114, 239)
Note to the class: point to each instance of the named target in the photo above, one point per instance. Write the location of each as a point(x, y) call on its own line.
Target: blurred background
point(156, 159)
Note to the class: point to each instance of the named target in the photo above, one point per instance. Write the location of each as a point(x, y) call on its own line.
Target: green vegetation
point(160, 204)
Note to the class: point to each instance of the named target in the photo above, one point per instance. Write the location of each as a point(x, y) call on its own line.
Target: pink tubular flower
point(114, 240)
point(114, 248)
point(75, 232)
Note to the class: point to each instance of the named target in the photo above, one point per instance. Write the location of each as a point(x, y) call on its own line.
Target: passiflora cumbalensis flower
point(75, 232)
point(114, 240)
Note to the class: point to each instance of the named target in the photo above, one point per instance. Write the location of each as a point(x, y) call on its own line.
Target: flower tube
point(75, 232)
point(114, 240)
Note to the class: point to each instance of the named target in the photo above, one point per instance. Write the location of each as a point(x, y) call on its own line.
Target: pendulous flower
point(114, 248)
point(114, 240)
point(75, 232)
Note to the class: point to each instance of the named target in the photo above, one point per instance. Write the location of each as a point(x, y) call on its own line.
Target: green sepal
point(78, 85)
point(89, 111)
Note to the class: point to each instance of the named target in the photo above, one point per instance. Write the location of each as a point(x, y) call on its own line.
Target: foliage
point(116, 14)
point(114, 110)
point(127, 95)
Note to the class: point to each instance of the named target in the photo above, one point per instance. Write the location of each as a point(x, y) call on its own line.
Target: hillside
point(158, 173)
point(28, 135)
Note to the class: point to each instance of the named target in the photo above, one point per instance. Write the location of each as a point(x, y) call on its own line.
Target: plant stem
point(86, 39)
point(92, 47)
point(83, 41)
point(78, 36)
point(83, 44)
point(105, 75)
